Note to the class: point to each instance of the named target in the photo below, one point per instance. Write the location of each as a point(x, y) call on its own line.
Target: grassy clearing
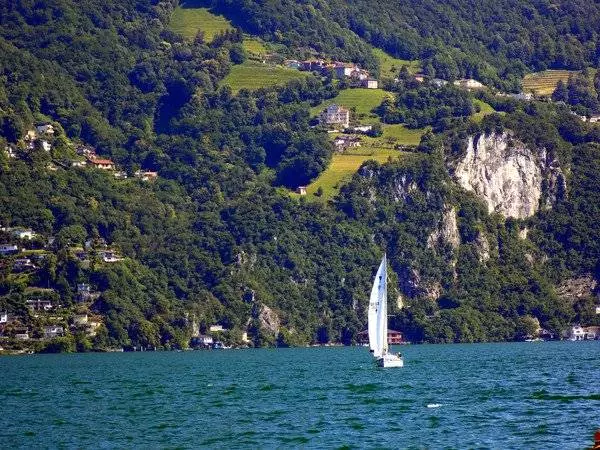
point(389, 66)
point(342, 168)
point(254, 46)
point(187, 21)
point(544, 83)
point(485, 109)
point(252, 75)
point(399, 134)
point(364, 100)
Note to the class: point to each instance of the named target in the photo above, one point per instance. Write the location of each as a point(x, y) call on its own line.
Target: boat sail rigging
point(378, 320)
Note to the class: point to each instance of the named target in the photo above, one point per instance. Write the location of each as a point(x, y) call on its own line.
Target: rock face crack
point(506, 174)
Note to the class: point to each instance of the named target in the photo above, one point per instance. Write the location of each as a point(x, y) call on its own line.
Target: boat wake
point(434, 405)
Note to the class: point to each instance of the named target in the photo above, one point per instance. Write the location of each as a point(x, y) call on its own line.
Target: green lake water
point(516, 395)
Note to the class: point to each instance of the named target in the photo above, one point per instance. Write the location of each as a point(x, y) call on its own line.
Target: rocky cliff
point(513, 179)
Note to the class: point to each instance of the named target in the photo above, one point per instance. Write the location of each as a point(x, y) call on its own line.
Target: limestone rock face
point(268, 319)
point(447, 230)
point(508, 175)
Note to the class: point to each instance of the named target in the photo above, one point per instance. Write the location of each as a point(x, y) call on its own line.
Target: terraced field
point(389, 66)
point(187, 21)
point(544, 83)
point(364, 100)
point(253, 75)
point(254, 46)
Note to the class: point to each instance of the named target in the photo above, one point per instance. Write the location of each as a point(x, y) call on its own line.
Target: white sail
point(378, 311)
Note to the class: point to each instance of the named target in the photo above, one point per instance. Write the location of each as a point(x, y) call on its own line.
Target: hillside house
point(31, 135)
point(359, 74)
point(594, 118)
point(11, 151)
point(361, 128)
point(344, 142)
point(336, 115)
point(370, 83)
point(597, 309)
point(46, 146)
point(21, 333)
point(46, 128)
point(343, 70)
point(80, 320)
point(86, 150)
point(38, 304)
point(23, 264)
point(468, 83)
point(146, 175)
point(3, 317)
point(23, 233)
point(109, 256)
point(8, 249)
point(301, 190)
point(292, 64)
point(101, 163)
point(77, 163)
point(438, 82)
point(216, 328)
point(52, 331)
point(120, 175)
point(419, 77)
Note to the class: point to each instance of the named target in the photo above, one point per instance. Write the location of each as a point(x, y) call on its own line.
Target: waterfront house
point(591, 333)
point(577, 333)
point(394, 337)
point(52, 331)
point(336, 115)
point(202, 341)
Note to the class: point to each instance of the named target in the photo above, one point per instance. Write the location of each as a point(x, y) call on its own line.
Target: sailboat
point(378, 321)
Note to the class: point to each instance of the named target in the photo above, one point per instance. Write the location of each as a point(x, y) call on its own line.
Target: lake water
point(517, 395)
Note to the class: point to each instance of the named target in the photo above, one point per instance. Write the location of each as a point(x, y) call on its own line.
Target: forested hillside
point(182, 217)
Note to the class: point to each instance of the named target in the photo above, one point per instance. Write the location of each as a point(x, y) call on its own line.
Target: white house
point(24, 233)
point(80, 320)
point(344, 69)
point(577, 333)
point(46, 146)
point(370, 83)
point(301, 190)
point(469, 83)
point(597, 309)
point(52, 331)
point(336, 115)
point(594, 118)
point(45, 129)
point(39, 304)
point(216, 328)
point(3, 317)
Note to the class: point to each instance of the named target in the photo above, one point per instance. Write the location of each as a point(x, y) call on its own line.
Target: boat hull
point(390, 361)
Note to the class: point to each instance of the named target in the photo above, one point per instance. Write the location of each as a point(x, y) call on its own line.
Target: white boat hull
point(390, 360)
